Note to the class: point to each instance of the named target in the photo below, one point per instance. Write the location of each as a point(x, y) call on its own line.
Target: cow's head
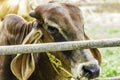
point(64, 22)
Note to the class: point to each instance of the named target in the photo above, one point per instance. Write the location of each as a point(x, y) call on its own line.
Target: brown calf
point(62, 22)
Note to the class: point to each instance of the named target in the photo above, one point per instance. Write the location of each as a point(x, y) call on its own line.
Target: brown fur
point(15, 29)
point(13, 32)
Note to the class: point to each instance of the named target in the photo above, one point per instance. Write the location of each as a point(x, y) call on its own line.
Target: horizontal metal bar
point(58, 46)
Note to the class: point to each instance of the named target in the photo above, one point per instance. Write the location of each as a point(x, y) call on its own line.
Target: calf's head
point(64, 22)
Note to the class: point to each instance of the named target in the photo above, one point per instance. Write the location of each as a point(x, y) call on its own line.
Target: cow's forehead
point(62, 14)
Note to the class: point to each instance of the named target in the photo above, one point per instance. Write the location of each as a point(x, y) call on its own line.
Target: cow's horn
point(32, 14)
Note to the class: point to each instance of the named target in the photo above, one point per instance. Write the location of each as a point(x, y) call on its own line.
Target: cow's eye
point(52, 29)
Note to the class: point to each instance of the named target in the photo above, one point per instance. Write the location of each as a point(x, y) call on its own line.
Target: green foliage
point(113, 31)
point(110, 65)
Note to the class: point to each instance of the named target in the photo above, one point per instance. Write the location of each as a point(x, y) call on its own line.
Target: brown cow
point(58, 22)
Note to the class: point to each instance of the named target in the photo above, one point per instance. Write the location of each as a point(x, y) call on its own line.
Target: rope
point(35, 36)
point(56, 63)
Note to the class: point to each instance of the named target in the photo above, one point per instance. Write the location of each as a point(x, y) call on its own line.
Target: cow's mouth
point(89, 72)
point(86, 71)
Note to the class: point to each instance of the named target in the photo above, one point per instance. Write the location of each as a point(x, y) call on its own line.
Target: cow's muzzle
point(91, 71)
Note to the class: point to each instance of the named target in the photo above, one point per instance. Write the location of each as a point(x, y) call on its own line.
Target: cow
point(58, 22)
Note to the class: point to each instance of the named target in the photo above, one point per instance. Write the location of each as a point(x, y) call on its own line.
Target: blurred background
point(102, 21)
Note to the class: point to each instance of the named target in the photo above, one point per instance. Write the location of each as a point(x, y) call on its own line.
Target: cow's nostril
point(91, 71)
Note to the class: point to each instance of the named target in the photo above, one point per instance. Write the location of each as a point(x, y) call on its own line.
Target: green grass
point(113, 31)
point(111, 62)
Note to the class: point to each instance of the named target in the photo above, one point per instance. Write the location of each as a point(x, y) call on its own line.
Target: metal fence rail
point(59, 46)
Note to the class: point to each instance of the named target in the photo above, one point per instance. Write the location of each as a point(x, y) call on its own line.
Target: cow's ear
point(96, 53)
point(22, 66)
